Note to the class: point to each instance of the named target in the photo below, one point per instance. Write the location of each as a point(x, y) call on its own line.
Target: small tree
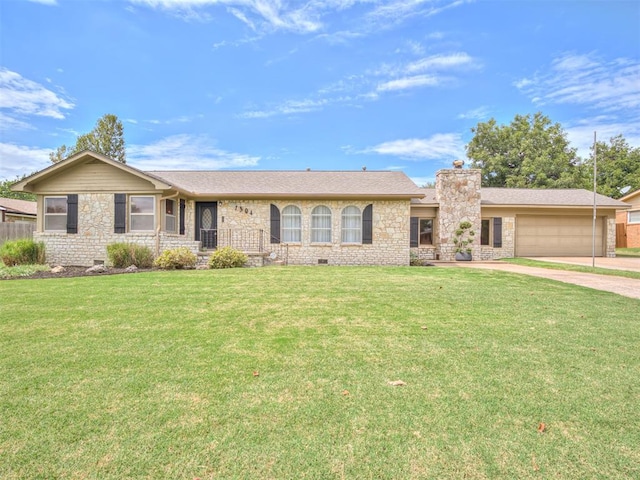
point(107, 138)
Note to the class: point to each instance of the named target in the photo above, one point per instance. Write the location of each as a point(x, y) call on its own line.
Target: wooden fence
point(14, 231)
point(621, 235)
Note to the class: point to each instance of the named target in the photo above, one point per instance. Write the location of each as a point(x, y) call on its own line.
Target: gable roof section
point(292, 184)
point(27, 184)
point(633, 197)
point(530, 197)
point(22, 207)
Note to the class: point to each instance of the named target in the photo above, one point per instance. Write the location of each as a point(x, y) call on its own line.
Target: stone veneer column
point(458, 193)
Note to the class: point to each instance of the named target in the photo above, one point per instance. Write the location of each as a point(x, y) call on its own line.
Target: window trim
point(132, 215)
point(489, 220)
point(168, 216)
point(44, 218)
point(420, 220)
point(286, 230)
point(344, 229)
point(319, 230)
point(633, 222)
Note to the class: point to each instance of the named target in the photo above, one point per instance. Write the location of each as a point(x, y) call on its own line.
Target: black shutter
point(120, 224)
point(367, 225)
point(497, 232)
point(182, 208)
point(414, 233)
point(72, 213)
point(275, 224)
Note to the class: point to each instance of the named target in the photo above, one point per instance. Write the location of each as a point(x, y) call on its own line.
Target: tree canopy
point(531, 152)
point(6, 192)
point(618, 167)
point(107, 138)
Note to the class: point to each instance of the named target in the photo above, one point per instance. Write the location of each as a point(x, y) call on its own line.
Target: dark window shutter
point(367, 225)
point(275, 224)
point(183, 205)
point(414, 233)
point(497, 232)
point(72, 213)
point(120, 224)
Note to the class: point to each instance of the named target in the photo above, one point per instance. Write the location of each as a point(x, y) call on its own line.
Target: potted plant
point(463, 238)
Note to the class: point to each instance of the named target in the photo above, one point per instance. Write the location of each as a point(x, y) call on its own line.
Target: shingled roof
point(21, 207)
point(292, 184)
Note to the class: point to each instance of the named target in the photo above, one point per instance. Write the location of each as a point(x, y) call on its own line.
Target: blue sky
point(320, 84)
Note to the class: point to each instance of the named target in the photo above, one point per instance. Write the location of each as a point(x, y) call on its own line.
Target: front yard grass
point(283, 373)
point(20, 270)
point(628, 252)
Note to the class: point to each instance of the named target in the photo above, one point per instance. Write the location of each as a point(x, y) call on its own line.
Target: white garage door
point(557, 236)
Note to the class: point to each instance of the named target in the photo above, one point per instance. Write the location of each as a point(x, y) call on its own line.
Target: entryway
point(207, 224)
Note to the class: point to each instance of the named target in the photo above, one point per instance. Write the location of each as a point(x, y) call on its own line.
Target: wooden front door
point(207, 224)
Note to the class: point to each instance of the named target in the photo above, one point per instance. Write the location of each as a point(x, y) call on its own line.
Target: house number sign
point(240, 208)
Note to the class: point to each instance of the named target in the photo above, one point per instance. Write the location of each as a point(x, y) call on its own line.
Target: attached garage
point(558, 236)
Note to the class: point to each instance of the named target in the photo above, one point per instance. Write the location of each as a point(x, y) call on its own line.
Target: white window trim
point(490, 240)
point(633, 222)
point(433, 222)
point(166, 216)
point(44, 218)
point(358, 229)
point(132, 215)
point(316, 229)
point(288, 229)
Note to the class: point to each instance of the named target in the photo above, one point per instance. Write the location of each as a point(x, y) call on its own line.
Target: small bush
point(22, 252)
point(227, 257)
point(123, 255)
point(176, 258)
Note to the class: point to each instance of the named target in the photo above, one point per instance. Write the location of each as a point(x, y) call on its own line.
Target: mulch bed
point(76, 272)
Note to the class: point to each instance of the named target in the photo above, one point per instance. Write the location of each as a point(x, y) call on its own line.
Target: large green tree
point(6, 192)
point(618, 167)
point(107, 138)
point(530, 152)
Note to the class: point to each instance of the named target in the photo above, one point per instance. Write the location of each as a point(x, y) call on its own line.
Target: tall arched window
point(321, 224)
point(291, 224)
point(351, 225)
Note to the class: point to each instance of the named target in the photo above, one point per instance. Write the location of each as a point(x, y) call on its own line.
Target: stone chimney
point(458, 193)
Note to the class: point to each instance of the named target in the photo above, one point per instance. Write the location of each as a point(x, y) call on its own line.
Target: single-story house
point(628, 222)
point(305, 217)
point(17, 211)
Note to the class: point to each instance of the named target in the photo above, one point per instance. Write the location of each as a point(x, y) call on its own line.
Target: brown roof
point(532, 198)
point(22, 207)
point(289, 184)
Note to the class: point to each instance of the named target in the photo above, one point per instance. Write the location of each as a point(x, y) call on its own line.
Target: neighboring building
point(305, 217)
point(17, 211)
point(628, 222)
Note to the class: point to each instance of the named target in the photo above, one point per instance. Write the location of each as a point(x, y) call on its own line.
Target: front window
point(485, 232)
point(351, 225)
point(321, 224)
point(426, 231)
point(170, 216)
point(634, 217)
point(291, 224)
point(55, 214)
point(142, 213)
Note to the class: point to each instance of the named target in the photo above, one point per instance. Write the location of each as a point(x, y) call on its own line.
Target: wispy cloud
point(580, 133)
point(22, 96)
point(18, 160)
point(51, 3)
point(186, 152)
point(479, 113)
point(443, 146)
point(410, 82)
point(586, 80)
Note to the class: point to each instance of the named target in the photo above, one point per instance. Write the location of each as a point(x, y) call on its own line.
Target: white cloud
point(444, 146)
point(19, 96)
point(10, 123)
point(588, 81)
point(440, 62)
point(18, 160)
point(290, 107)
point(409, 82)
point(45, 2)
point(580, 133)
point(186, 152)
point(475, 114)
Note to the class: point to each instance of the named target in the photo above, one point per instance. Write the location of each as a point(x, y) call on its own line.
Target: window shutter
point(120, 224)
point(275, 224)
point(497, 232)
point(182, 209)
point(413, 235)
point(367, 225)
point(72, 213)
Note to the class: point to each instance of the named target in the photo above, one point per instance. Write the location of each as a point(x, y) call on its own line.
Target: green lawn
point(628, 252)
point(151, 375)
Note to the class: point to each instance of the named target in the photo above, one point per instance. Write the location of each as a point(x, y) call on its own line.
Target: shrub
point(22, 252)
point(123, 255)
point(227, 257)
point(176, 258)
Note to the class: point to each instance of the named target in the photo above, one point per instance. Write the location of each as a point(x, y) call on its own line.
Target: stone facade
point(458, 193)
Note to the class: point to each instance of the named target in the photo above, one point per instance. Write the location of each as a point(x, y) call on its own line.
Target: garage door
point(557, 236)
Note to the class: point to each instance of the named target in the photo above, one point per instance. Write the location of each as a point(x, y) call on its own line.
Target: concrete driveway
point(628, 287)
point(618, 263)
